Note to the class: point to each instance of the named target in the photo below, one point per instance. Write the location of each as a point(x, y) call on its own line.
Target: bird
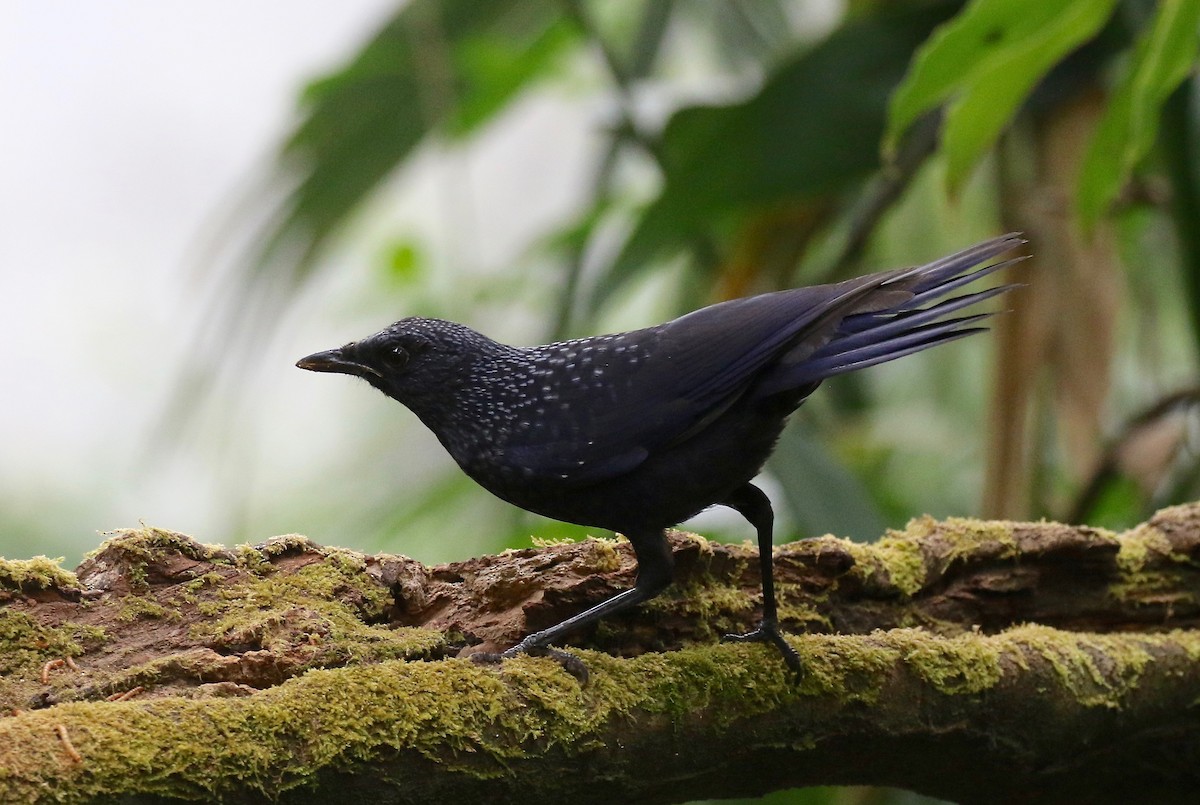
point(637, 431)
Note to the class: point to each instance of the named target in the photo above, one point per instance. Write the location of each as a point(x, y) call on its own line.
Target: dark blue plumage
point(638, 431)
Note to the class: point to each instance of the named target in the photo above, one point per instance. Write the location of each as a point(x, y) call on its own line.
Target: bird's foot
point(768, 632)
point(570, 663)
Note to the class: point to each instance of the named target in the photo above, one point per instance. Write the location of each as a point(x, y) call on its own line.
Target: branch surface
point(975, 661)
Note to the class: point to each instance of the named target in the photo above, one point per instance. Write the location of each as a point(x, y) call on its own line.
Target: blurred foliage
point(885, 133)
point(982, 65)
point(437, 68)
point(1165, 55)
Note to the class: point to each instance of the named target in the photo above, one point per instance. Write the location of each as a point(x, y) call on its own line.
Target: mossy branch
point(982, 662)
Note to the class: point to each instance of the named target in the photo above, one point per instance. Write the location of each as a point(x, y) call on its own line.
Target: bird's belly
point(670, 486)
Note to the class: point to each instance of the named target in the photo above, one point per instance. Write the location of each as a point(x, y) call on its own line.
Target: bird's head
point(413, 358)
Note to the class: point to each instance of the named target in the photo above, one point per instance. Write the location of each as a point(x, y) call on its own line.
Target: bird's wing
point(606, 410)
point(615, 400)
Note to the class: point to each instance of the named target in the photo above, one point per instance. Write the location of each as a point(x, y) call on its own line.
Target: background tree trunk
point(976, 661)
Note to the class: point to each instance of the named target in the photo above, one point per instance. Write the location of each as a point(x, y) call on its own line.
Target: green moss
point(603, 556)
point(702, 599)
point(464, 717)
point(702, 543)
point(905, 562)
point(133, 607)
point(718, 607)
point(1097, 670)
point(1191, 644)
point(906, 559)
point(290, 543)
point(1138, 546)
point(1143, 548)
point(896, 560)
point(865, 561)
point(551, 542)
point(332, 601)
point(971, 537)
point(38, 573)
point(1133, 555)
point(250, 559)
point(25, 647)
point(150, 543)
point(966, 537)
point(795, 608)
point(477, 720)
point(26, 644)
point(850, 668)
point(257, 558)
point(138, 577)
point(210, 579)
point(189, 664)
point(856, 668)
point(137, 548)
point(965, 664)
point(920, 527)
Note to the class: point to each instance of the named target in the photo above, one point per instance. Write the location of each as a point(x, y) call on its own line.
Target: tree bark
point(974, 661)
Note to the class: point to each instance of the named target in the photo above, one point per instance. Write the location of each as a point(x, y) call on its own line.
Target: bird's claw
point(485, 657)
point(570, 663)
point(768, 632)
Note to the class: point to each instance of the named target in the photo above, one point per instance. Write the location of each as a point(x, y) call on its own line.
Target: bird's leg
point(656, 567)
point(751, 503)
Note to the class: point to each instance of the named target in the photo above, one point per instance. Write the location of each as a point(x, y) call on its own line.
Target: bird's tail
point(874, 336)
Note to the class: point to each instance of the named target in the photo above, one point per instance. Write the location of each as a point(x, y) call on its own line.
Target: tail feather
point(942, 271)
point(904, 321)
point(927, 292)
point(911, 325)
point(837, 361)
point(920, 346)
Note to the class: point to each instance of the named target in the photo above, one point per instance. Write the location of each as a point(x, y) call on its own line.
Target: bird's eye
point(397, 357)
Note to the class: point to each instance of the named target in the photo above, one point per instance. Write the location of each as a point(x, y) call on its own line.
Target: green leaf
point(811, 131)
point(1120, 504)
point(985, 62)
point(496, 65)
point(1164, 56)
point(404, 262)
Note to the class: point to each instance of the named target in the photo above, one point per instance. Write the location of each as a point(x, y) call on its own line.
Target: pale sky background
point(128, 125)
point(130, 128)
